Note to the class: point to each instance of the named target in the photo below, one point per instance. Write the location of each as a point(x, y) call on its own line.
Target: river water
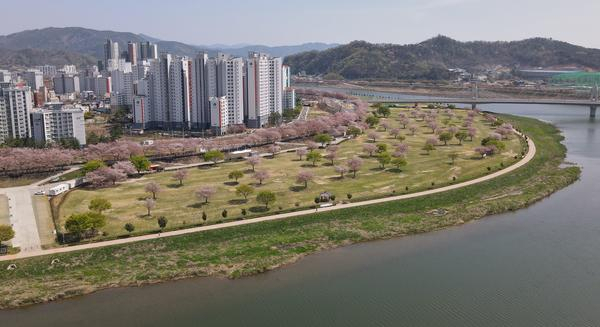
point(536, 267)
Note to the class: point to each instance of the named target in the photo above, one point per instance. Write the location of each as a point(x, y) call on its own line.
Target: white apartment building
point(230, 84)
point(5, 76)
point(287, 76)
point(54, 122)
point(15, 106)
point(180, 93)
point(122, 88)
point(219, 111)
point(264, 88)
point(200, 113)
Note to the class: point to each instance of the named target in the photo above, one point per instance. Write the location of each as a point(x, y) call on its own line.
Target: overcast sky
point(284, 22)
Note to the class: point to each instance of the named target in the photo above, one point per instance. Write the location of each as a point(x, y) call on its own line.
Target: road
point(527, 158)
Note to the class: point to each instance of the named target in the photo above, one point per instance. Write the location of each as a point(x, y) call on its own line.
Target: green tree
point(79, 223)
point(399, 162)
point(6, 233)
point(116, 131)
point(354, 131)
point(429, 147)
point(236, 174)
point(224, 213)
point(372, 121)
point(453, 156)
point(384, 158)
point(162, 222)
point(214, 156)
point(323, 138)
point(314, 157)
point(92, 165)
point(382, 147)
point(99, 205)
point(244, 190)
point(141, 163)
point(204, 216)
point(445, 137)
point(275, 119)
point(266, 197)
point(461, 136)
point(383, 111)
point(129, 228)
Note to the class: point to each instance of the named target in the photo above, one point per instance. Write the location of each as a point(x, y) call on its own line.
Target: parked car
point(40, 192)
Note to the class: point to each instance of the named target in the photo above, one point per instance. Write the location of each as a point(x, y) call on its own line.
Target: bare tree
point(149, 204)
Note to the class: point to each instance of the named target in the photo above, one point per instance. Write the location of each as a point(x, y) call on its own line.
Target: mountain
point(34, 57)
point(431, 59)
point(88, 43)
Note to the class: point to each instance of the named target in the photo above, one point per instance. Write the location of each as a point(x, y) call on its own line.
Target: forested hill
point(431, 59)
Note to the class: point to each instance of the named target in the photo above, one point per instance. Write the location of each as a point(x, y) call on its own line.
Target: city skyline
point(399, 22)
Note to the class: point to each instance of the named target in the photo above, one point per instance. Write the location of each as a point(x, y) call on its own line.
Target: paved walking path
point(528, 157)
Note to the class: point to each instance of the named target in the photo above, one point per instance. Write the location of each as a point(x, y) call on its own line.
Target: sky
point(281, 22)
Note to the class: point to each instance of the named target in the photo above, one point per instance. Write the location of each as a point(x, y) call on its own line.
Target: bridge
point(388, 97)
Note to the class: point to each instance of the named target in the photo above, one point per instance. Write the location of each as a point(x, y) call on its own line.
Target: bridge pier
point(593, 111)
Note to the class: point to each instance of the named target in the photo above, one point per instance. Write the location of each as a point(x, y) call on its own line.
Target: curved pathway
point(528, 157)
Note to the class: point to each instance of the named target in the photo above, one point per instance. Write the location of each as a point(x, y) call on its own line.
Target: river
point(536, 267)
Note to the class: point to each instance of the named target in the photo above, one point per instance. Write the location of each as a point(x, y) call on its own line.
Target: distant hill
point(33, 57)
point(88, 43)
point(431, 59)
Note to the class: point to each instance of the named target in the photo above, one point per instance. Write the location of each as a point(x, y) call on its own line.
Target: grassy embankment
point(251, 249)
point(183, 208)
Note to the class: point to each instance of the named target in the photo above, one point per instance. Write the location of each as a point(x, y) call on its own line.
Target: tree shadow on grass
point(260, 209)
point(308, 165)
point(395, 170)
point(377, 169)
point(237, 201)
point(197, 205)
point(174, 185)
point(231, 183)
point(335, 178)
point(297, 188)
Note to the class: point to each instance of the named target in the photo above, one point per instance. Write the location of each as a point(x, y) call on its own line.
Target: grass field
point(43, 217)
point(181, 206)
point(255, 248)
point(4, 219)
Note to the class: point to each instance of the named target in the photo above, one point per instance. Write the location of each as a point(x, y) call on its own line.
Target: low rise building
point(54, 122)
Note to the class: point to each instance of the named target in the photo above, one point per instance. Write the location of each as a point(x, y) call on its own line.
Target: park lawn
point(181, 207)
point(43, 217)
point(251, 249)
point(4, 215)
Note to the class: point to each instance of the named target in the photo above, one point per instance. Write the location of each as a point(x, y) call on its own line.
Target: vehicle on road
point(40, 192)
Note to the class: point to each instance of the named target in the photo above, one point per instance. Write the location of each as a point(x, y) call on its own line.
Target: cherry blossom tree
point(180, 175)
point(126, 167)
point(369, 148)
point(301, 153)
point(261, 176)
point(153, 188)
point(354, 165)
point(341, 170)
point(413, 129)
point(304, 177)
point(373, 136)
point(253, 161)
point(205, 192)
point(395, 132)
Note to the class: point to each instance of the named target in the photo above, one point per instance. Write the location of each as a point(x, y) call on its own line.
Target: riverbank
point(250, 249)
